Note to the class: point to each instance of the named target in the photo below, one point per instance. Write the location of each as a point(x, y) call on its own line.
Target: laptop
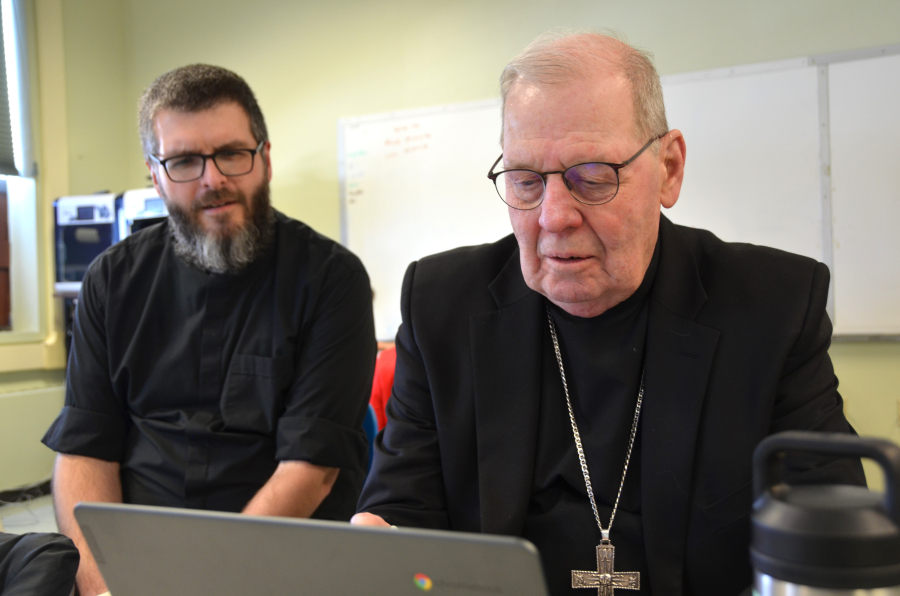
point(148, 551)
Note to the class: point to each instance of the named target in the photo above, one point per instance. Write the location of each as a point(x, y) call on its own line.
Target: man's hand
point(75, 479)
point(369, 519)
point(295, 490)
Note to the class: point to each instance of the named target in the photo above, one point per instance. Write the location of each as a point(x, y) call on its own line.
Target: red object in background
point(383, 383)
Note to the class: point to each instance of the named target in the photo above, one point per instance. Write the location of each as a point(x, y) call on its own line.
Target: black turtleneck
point(603, 358)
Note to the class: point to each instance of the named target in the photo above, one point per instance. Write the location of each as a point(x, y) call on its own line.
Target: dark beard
point(224, 253)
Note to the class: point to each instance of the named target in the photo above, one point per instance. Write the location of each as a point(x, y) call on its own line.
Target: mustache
point(217, 197)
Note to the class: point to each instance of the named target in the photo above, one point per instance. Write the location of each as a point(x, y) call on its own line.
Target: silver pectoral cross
point(605, 579)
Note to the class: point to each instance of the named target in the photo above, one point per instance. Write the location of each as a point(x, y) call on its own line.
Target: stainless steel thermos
point(818, 540)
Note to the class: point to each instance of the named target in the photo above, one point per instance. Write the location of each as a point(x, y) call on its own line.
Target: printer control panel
point(87, 209)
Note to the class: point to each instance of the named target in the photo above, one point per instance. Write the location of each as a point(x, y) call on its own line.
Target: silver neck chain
point(578, 446)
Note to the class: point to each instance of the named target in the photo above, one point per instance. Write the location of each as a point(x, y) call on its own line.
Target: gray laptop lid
point(156, 550)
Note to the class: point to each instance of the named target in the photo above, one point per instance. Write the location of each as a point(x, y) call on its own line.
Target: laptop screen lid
point(144, 551)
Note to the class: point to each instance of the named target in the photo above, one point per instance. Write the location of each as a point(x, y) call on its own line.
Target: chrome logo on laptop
point(422, 581)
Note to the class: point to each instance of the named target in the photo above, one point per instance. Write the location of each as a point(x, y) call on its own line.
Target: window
point(20, 279)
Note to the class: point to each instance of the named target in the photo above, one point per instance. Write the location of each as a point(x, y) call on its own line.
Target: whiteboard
point(797, 154)
point(752, 168)
point(864, 96)
point(415, 183)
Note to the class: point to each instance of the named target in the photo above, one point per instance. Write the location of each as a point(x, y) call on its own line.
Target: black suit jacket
point(736, 349)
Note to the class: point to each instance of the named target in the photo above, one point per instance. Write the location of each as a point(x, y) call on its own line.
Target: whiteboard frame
point(825, 181)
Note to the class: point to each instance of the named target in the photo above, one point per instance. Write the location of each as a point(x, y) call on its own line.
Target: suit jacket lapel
point(506, 352)
point(679, 357)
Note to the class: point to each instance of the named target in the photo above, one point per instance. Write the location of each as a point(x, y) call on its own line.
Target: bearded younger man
point(601, 340)
point(222, 359)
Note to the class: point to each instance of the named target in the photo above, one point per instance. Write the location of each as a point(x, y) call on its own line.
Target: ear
point(671, 167)
point(153, 175)
point(267, 148)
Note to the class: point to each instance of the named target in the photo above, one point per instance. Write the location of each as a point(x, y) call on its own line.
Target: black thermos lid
point(826, 536)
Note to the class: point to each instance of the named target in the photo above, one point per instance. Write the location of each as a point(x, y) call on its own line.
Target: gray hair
point(195, 88)
point(563, 56)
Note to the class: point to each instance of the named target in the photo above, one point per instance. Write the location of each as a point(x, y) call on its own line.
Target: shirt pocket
point(254, 392)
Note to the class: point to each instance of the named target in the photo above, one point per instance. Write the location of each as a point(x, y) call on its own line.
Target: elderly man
point(599, 380)
point(223, 359)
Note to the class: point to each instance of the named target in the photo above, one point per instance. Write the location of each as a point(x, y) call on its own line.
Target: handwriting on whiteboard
point(414, 185)
point(386, 146)
point(406, 139)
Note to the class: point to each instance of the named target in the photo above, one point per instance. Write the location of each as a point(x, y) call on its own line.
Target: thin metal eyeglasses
point(190, 167)
point(593, 183)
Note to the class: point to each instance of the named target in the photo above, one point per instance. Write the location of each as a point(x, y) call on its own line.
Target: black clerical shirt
point(199, 383)
point(603, 358)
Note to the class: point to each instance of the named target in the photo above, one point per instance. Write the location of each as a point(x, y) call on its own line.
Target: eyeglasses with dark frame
point(593, 183)
point(190, 167)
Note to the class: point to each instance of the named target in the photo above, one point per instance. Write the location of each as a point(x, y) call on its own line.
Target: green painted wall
point(869, 374)
point(312, 62)
point(94, 43)
point(29, 401)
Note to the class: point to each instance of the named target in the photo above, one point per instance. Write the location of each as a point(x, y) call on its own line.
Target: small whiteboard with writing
point(415, 183)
